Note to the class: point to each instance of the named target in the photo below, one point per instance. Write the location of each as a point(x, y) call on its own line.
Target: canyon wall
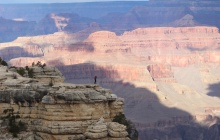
point(162, 73)
point(169, 77)
point(46, 19)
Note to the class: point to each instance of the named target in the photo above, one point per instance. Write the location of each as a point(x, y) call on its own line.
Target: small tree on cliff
point(3, 62)
point(33, 64)
point(132, 132)
point(39, 64)
point(14, 126)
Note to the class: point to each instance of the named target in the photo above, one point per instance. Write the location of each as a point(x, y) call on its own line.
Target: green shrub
point(26, 67)
point(3, 62)
point(39, 64)
point(51, 83)
point(21, 71)
point(44, 65)
point(22, 126)
point(30, 72)
point(33, 64)
point(13, 126)
point(132, 132)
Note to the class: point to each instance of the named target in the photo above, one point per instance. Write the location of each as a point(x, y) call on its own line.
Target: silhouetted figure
point(95, 79)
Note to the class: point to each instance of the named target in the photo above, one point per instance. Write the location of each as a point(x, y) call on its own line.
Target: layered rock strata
point(163, 73)
point(107, 15)
point(59, 111)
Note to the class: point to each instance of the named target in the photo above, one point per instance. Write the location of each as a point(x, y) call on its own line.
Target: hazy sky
point(56, 1)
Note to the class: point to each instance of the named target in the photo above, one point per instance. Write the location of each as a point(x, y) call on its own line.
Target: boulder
point(48, 100)
point(117, 130)
point(97, 130)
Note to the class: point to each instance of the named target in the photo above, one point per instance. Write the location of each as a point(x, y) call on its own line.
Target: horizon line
point(8, 3)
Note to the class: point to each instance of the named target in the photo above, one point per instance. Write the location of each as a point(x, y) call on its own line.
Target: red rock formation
point(170, 47)
point(156, 70)
point(160, 71)
point(192, 37)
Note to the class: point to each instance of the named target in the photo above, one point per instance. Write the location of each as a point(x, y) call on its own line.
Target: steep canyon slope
point(168, 76)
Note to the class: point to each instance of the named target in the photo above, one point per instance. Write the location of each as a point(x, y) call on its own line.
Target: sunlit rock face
point(54, 110)
point(168, 76)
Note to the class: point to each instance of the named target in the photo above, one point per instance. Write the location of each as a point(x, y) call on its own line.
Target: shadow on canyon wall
point(214, 90)
point(197, 49)
point(81, 47)
point(140, 102)
point(153, 120)
point(15, 52)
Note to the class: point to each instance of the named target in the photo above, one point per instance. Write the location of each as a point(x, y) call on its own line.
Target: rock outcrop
point(59, 111)
point(161, 73)
point(117, 130)
point(186, 21)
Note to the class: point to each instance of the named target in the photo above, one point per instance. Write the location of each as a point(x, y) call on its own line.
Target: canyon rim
point(162, 57)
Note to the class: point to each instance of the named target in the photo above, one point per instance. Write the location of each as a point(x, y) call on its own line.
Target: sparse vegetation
point(51, 83)
point(3, 62)
point(132, 132)
point(20, 71)
point(14, 76)
point(33, 64)
point(39, 64)
point(14, 127)
point(30, 72)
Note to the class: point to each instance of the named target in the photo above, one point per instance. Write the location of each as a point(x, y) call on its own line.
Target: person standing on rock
point(95, 79)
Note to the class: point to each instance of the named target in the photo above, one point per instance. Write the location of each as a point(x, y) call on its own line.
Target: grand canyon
point(162, 57)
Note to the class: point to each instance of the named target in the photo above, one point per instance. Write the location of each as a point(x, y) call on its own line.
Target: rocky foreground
point(53, 110)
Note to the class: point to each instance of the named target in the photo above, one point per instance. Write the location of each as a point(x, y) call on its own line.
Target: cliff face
point(168, 76)
point(59, 110)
